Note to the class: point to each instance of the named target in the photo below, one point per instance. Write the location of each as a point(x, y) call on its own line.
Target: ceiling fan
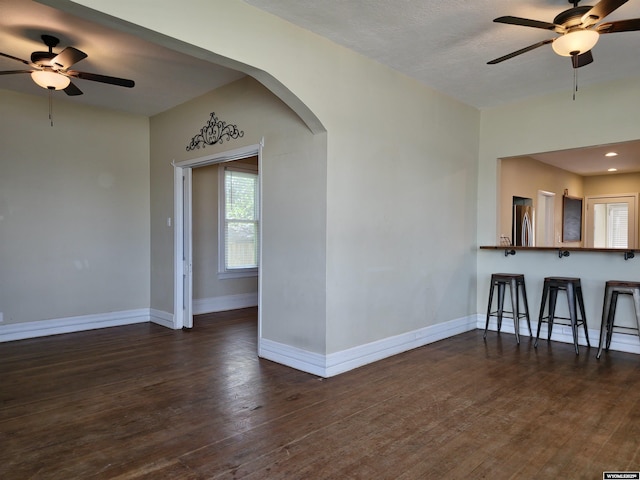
point(51, 70)
point(578, 28)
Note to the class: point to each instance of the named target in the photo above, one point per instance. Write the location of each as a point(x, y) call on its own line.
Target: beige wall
point(74, 210)
point(293, 204)
point(393, 251)
point(616, 183)
point(206, 284)
point(393, 199)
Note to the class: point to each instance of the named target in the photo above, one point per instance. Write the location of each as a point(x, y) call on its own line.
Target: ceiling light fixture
point(50, 80)
point(612, 170)
point(575, 42)
point(572, 44)
point(611, 154)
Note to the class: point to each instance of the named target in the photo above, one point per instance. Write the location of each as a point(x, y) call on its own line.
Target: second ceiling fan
point(52, 70)
point(579, 30)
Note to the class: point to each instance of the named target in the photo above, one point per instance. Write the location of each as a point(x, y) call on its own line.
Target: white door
point(182, 294)
point(187, 249)
point(611, 221)
point(545, 219)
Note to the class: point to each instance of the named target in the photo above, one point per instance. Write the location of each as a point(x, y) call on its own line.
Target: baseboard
point(224, 303)
point(343, 361)
point(162, 318)
point(310, 362)
point(42, 328)
point(621, 342)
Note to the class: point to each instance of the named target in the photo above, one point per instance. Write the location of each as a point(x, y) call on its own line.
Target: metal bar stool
point(612, 289)
point(573, 288)
point(516, 285)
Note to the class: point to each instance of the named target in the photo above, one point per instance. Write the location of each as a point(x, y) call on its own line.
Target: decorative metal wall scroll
point(215, 131)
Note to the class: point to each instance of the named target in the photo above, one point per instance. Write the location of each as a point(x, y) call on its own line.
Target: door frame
point(182, 243)
point(545, 219)
point(588, 224)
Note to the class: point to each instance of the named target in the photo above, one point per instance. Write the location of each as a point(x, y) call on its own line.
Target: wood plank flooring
point(145, 402)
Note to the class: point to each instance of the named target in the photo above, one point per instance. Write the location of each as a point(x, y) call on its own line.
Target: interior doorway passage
point(183, 231)
point(225, 211)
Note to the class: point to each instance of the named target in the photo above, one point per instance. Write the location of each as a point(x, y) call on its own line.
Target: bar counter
point(564, 251)
point(594, 266)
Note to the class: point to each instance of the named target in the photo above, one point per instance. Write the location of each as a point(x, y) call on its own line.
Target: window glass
point(241, 212)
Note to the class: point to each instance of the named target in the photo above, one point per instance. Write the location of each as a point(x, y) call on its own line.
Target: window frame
point(223, 271)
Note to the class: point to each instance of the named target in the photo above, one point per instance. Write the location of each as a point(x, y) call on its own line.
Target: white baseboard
point(162, 318)
point(55, 326)
point(621, 342)
point(345, 360)
point(224, 303)
point(310, 362)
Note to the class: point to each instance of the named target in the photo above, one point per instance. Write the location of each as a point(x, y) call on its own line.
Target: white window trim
point(223, 273)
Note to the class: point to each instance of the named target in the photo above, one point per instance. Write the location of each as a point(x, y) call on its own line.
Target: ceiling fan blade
point(601, 10)
point(9, 72)
point(581, 60)
point(67, 57)
point(630, 25)
point(122, 82)
point(16, 58)
point(72, 90)
point(520, 52)
point(525, 22)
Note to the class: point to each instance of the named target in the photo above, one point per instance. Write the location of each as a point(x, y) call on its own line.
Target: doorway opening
point(183, 231)
point(611, 221)
point(545, 219)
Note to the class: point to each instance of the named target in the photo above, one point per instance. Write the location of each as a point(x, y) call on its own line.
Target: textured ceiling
point(444, 44)
point(447, 44)
point(164, 78)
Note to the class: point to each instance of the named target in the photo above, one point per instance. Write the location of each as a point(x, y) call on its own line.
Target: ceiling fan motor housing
point(572, 17)
point(42, 58)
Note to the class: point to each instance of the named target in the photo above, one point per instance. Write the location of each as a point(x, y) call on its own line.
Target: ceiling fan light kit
point(575, 42)
point(50, 80)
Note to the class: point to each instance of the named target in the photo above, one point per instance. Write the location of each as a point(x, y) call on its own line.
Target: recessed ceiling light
point(612, 170)
point(611, 154)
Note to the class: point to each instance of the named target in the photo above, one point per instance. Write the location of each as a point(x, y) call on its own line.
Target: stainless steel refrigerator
point(523, 226)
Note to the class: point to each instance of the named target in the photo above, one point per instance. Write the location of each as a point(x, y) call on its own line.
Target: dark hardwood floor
point(143, 401)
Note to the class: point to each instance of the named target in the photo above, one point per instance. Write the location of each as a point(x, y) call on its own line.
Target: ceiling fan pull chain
point(575, 62)
point(50, 107)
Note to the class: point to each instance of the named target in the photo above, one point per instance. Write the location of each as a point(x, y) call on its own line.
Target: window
point(239, 221)
point(611, 221)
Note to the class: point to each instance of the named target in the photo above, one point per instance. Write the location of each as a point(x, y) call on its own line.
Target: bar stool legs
point(573, 289)
point(611, 291)
point(516, 286)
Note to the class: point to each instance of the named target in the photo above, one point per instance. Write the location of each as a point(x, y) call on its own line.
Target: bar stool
point(612, 289)
point(516, 285)
point(573, 288)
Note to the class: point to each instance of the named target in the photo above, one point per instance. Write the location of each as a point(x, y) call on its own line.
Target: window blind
point(241, 213)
